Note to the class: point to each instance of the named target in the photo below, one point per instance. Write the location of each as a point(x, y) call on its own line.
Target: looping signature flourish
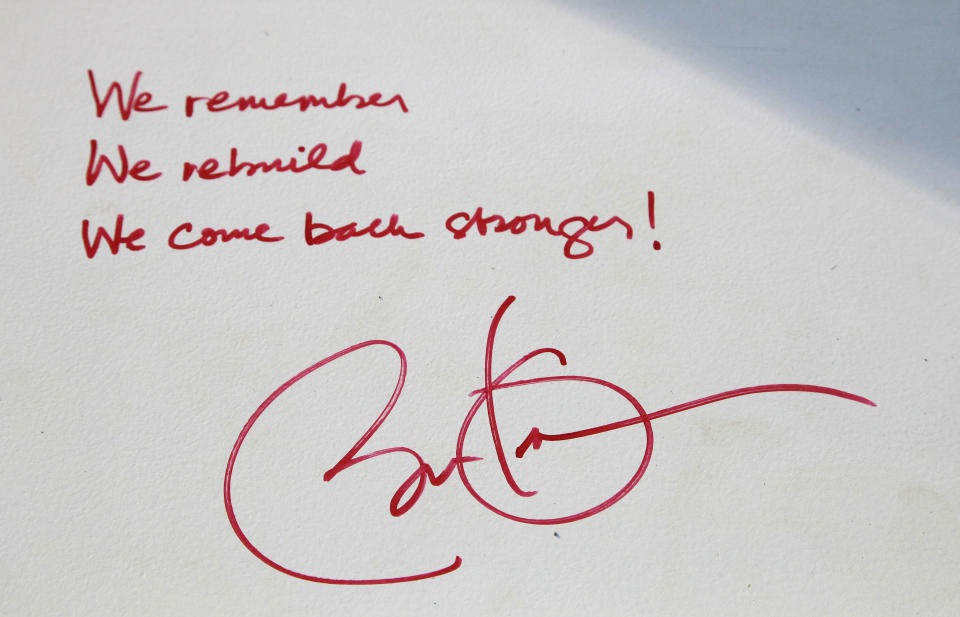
point(412, 488)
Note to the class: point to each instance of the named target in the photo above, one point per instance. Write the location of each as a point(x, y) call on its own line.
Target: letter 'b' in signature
point(410, 490)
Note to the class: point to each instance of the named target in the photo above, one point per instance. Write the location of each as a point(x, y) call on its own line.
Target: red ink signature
point(412, 488)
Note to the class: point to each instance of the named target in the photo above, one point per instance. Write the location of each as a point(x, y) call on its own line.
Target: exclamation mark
point(652, 217)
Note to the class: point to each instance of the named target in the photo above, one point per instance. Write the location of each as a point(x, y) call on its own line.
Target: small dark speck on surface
point(381, 297)
point(858, 109)
point(923, 360)
point(834, 267)
point(556, 535)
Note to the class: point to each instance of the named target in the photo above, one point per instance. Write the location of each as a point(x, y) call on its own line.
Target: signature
point(409, 492)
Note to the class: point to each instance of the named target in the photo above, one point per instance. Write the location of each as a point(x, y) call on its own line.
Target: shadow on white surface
point(880, 78)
